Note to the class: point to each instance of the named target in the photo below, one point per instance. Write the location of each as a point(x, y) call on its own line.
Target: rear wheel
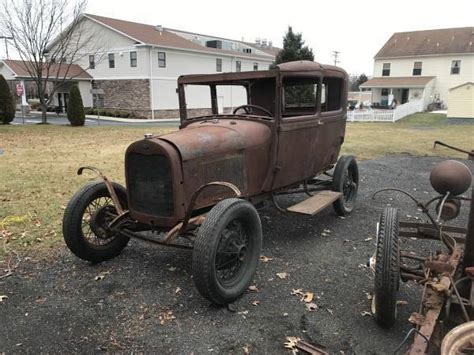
point(86, 219)
point(346, 181)
point(387, 269)
point(227, 251)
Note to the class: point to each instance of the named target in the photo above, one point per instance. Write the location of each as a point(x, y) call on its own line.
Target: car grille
point(149, 183)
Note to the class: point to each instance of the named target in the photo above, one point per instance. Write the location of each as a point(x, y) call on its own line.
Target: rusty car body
point(197, 187)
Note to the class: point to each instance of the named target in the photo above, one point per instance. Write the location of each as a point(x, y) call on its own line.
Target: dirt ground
point(145, 300)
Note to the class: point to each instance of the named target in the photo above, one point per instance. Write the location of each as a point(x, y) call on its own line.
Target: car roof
point(300, 66)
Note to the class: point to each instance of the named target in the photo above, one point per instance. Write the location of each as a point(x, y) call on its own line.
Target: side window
point(299, 96)
point(161, 59)
point(218, 64)
point(455, 67)
point(386, 69)
point(111, 60)
point(133, 59)
point(331, 95)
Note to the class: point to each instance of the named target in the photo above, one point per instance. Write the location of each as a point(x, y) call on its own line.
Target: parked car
point(198, 188)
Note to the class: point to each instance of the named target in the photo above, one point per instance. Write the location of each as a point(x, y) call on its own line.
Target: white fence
point(394, 115)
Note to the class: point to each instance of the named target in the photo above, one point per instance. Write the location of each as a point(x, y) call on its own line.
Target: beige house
point(461, 101)
point(423, 65)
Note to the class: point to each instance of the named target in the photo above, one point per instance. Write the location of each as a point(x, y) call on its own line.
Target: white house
point(422, 65)
point(143, 62)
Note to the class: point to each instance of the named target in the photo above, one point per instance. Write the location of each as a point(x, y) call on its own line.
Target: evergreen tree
point(7, 102)
point(293, 48)
point(75, 107)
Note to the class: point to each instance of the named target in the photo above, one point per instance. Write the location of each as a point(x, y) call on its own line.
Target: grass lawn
point(39, 164)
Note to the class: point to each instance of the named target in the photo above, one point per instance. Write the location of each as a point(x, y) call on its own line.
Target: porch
point(390, 92)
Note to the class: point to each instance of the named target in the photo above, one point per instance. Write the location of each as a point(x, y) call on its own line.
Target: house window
point(111, 60)
point(455, 67)
point(255, 66)
point(238, 66)
point(218, 64)
point(162, 59)
point(417, 68)
point(91, 62)
point(386, 69)
point(133, 59)
point(247, 50)
point(384, 92)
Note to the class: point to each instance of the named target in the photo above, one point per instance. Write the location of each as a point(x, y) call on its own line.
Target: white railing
point(394, 115)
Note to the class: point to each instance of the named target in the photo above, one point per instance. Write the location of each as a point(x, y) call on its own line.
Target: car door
point(298, 129)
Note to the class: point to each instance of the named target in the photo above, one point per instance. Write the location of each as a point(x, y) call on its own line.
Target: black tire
point(387, 269)
point(230, 222)
point(104, 244)
point(346, 180)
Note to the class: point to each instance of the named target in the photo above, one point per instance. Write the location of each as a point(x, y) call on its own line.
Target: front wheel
point(227, 251)
point(345, 180)
point(86, 220)
point(387, 269)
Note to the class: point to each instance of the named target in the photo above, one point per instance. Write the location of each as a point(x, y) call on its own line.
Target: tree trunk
point(44, 117)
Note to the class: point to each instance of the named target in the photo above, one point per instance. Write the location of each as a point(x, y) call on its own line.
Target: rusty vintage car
point(199, 187)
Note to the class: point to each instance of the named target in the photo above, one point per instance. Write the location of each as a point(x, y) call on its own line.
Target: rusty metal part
point(459, 340)
point(449, 210)
point(450, 176)
point(310, 348)
point(470, 155)
point(108, 184)
point(196, 194)
point(176, 230)
point(433, 303)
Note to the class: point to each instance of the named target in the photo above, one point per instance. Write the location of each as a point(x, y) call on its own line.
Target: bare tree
point(50, 37)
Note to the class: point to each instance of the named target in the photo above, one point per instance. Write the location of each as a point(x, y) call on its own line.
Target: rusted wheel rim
point(97, 215)
point(459, 340)
point(232, 253)
point(349, 187)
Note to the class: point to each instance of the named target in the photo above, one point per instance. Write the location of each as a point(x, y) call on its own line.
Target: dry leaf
point(291, 342)
point(438, 287)
point(311, 306)
point(178, 290)
point(246, 349)
point(253, 288)
point(368, 239)
point(265, 259)
point(308, 297)
point(331, 312)
point(369, 295)
point(255, 303)
point(282, 275)
point(99, 277)
point(366, 313)
point(165, 317)
point(297, 292)
point(3, 297)
point(401, 302)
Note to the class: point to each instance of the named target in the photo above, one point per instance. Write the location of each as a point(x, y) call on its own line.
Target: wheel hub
point(100, 220)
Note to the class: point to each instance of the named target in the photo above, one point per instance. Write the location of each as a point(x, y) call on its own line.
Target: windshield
point(225, 98)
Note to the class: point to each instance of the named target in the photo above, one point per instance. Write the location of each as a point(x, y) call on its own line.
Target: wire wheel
point(346, 181)
point(459, 340)
point(97, 216)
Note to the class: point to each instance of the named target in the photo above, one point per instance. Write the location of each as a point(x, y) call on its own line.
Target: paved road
point(62, 120)
point(145, 299)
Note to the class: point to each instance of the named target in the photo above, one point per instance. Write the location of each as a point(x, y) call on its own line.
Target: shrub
point(7, 102)
point(75, 108)
point(34, 104)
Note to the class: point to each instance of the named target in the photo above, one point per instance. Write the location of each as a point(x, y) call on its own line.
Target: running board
point(315, 203)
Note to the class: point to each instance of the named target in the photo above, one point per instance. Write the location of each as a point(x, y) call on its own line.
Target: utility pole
point(6, 38)
point(335, 54)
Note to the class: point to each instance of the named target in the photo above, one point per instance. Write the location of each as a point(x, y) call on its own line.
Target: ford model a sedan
point(264, 134)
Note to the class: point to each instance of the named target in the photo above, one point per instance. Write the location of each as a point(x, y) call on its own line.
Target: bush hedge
point(75, 107)
point(7, 102)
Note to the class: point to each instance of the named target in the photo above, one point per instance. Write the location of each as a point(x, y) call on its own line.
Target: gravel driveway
point(145, 299)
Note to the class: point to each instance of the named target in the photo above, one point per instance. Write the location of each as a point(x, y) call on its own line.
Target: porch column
point(23, 96)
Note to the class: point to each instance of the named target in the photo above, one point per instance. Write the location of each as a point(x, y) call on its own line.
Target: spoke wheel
point(459, 340)
point(346, 181)
point(86, 220)
point(227, 251)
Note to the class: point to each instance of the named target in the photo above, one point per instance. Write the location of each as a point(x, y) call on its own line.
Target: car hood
point(216, 137)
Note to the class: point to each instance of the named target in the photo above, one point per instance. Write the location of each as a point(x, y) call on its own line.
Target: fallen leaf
point(282, 275)
point(331, 312)
point(291, 342)
point(369, 295)
point(178, 290)
point(297, 292)
point(3, 297)
point(438, 287)
point(308, 297)
point(255, 303)
point(401, 302)
point(40, 300)
point(311, 306)
point(165, 317)
point(368, 239)
point(253, 288)
point(246, 349)
point(172, 268)
point(265, 259)
point(366, 313)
